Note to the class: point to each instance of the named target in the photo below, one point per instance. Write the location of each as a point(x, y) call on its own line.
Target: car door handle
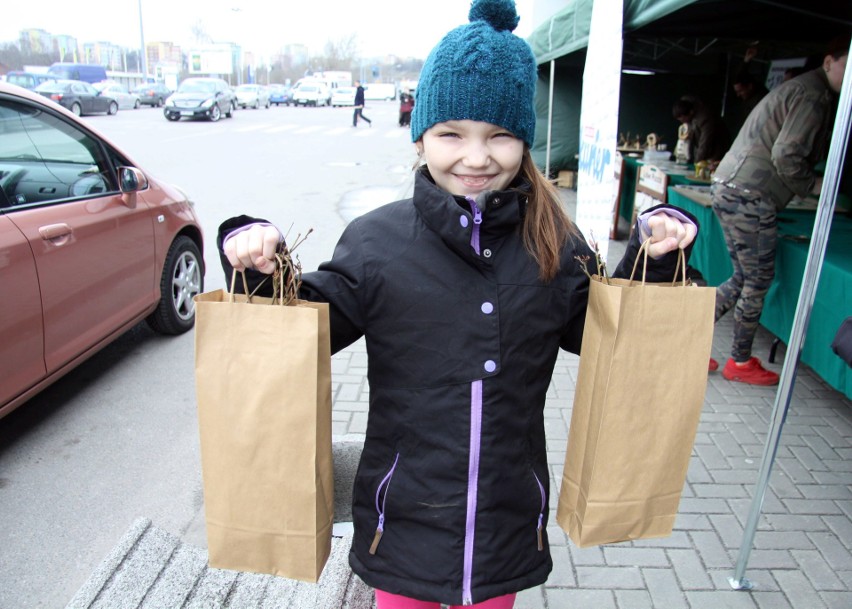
point(54, 231)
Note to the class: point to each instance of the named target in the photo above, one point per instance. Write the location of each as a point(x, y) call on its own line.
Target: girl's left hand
point(668, 234)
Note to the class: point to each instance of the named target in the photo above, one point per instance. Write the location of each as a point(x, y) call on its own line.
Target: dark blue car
point(280, 94)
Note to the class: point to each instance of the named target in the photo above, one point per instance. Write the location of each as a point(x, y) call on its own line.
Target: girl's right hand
point(254, 248)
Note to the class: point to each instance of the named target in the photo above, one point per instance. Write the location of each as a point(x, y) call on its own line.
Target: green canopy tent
point(658, 35)
point(690, 45)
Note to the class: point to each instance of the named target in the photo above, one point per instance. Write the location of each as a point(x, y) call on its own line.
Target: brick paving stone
point(638, 557)
point(825, 507)
point(770, 559)
point(799, 590)
point(609, 577)
point(664, 589)
point(786, 522)
point(826, 491)
point(724, 491)
point(562, 574)
point(728, 528)
point(689, 569)
point(586, 556)
point(782, 540)
point(633, 599)
point(733, 476)
point(770, 600)
point(817, 570)
point(720, 600)
point(710, 549)
point(842, 527)
point(838, 556)
point(837, 600)
point(561, 598)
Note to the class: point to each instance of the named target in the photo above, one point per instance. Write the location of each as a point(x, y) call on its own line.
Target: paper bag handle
point(248, 294)
point(643, 252)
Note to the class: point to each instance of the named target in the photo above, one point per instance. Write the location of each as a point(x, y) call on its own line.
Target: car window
point(45, 159)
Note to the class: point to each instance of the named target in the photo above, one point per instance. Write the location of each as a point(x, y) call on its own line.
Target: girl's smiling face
point(470, 157)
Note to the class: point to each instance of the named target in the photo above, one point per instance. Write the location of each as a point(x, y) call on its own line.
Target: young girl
point(465, 293)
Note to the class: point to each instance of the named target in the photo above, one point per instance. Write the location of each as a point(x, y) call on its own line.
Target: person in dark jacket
point(708, 135)
point(359, 105)
point(406, 105)
point(464, 293)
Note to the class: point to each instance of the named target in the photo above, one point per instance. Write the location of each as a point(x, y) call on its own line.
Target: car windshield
point(307, 88)
point(247, 88)
point(197, 86)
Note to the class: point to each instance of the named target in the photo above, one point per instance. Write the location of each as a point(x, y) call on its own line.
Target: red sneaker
point(714, 365)
point(752, 373)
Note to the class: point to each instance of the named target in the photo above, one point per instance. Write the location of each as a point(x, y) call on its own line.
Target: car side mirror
point(131, 179)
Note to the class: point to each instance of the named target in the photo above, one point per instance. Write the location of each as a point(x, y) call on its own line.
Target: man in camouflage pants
point(771, 160)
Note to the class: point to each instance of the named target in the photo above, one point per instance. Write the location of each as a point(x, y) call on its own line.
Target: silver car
point(253, 96)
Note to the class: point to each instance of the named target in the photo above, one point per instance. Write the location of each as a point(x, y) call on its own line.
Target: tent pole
point(549, 118)
point(813, 266)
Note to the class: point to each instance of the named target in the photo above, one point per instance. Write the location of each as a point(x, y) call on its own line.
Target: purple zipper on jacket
point(472, 483)
point(381, 500)
point(540, 514)
point(477, 220)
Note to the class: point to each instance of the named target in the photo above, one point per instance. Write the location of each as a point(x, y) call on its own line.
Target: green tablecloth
point(833, 300)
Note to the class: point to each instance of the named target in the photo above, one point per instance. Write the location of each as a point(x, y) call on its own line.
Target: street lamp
point(144, 59)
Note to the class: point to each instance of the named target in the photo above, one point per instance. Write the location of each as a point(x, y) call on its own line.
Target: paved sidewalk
point(802, 553)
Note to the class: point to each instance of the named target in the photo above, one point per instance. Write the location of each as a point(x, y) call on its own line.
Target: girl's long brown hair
point(546, 225)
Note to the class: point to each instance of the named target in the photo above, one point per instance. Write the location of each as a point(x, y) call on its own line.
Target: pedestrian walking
point(359, 105)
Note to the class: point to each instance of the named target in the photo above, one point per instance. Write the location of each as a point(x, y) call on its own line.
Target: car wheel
point(158, 102)
point(183, 279)
point(215, 113)
point(173, 117)
point(136, 105)
point(267, 105)
point(113, 108)
point(230, 112)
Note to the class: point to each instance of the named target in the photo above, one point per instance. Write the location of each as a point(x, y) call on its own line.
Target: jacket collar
point(502, 211)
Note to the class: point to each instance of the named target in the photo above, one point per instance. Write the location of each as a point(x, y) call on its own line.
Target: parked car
point(126, 100)
point(343, 96)
point(91, 245)
point(27, 80)
point(152, 94)
point(78, 96)
point(311, 94)
point(280, 94)
point(200, 97)
point(252, 96)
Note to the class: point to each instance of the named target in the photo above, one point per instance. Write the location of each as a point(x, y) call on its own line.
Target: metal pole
point(813, 266)
point(549, 119)
point(144, 62)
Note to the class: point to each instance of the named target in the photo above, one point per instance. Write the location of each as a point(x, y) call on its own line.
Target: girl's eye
point(504, 135)
point(448, 134)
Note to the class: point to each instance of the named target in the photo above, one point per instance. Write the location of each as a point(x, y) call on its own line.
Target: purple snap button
point(490, 366)
point(487, 308)
point(463, 221)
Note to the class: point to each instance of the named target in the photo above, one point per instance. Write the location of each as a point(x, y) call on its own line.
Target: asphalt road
point(117, 438)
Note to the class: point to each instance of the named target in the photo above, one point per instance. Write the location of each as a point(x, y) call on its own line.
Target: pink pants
point(386, 600)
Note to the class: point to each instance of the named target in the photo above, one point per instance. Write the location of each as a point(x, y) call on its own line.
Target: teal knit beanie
point(480, 71)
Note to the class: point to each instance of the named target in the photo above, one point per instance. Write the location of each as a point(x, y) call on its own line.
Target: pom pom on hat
point(479, 71)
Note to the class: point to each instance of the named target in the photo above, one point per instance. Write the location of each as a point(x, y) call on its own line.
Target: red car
point(90, 245)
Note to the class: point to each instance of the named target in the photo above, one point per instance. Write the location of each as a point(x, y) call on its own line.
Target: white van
point(380, 90)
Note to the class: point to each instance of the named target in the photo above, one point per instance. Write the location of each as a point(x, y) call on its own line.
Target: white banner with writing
point(596, 186)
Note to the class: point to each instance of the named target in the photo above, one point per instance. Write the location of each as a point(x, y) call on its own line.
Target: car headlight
point(170, 100)
point(208, 102)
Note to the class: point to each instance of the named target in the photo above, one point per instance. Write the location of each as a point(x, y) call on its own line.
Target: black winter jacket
point(451, 495)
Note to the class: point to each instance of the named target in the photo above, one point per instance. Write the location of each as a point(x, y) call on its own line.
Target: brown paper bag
point(638, 400)
point(263, 384)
